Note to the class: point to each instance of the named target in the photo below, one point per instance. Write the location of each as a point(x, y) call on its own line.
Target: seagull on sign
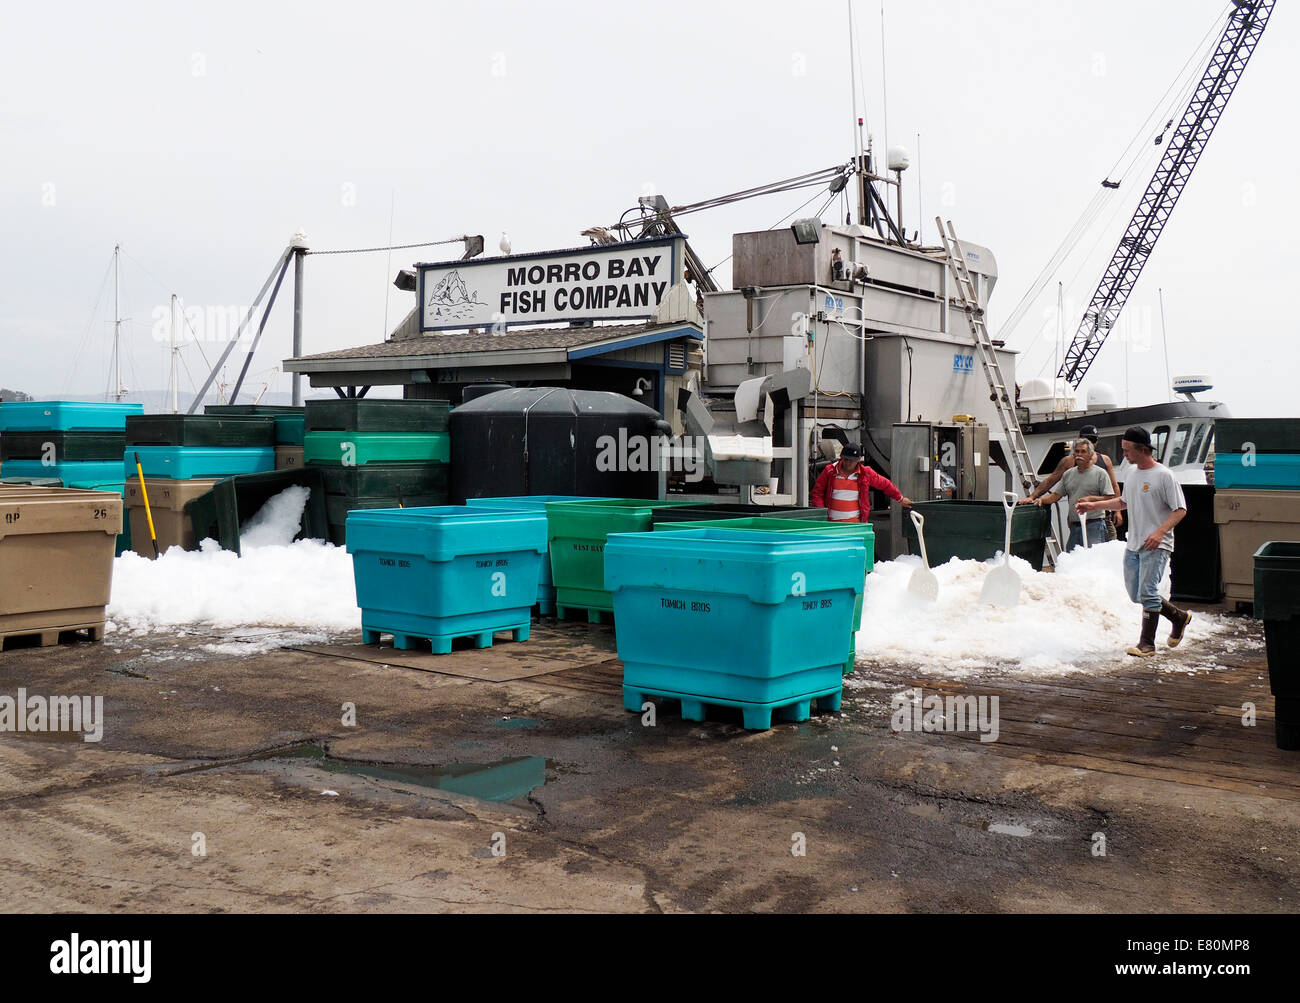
point(599, 235)
point(505, 243)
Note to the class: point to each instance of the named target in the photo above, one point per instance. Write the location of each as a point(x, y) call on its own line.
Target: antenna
point(1169, 382)
point(920, 207)
point(884, 80)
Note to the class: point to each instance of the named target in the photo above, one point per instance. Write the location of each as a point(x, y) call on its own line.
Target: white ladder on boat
point(1021, 464)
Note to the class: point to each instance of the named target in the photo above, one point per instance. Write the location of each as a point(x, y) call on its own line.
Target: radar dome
point(899, 159)
point(1036, 390)
point(1102, 396)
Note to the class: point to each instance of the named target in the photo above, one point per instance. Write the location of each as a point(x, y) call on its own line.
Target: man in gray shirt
point(1087, 480)
point(1154, 501)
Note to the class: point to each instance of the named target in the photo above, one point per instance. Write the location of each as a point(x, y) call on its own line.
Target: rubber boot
point(1146, 647)
point(1180, 618)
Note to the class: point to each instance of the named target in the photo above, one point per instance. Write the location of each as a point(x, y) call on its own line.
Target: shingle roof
point(434, 345)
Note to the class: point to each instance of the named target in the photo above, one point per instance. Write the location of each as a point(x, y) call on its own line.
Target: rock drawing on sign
point(451, 298)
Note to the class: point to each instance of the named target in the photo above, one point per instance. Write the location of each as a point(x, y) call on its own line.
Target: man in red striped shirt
point(844, 488)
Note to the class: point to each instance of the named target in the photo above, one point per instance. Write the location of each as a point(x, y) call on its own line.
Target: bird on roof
point(505, 243)
point(599, 235)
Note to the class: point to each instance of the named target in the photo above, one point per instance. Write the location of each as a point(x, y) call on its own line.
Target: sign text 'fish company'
point(615, 282)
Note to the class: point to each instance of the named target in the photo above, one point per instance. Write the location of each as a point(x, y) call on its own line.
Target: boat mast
point(175, 349)
point(117, 322)
point(857, 122)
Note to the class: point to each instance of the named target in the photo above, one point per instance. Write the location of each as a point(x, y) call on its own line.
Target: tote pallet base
point(407, 641)
point(758, 717)
point(50, 636)
point(592, 615)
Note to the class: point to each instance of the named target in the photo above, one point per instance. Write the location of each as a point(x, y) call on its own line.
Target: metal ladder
point(1022, 465)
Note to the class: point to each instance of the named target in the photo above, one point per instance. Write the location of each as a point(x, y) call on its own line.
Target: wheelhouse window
point(1180, 444)
point(1159, 441)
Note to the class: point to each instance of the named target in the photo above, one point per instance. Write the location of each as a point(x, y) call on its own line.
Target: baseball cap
point(1138, 436)
point(1089, 432)
point(851, 452)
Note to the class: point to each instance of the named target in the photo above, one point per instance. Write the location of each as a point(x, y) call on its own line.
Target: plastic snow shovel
point(923, 583)
point(1002, 585)
point(1083, 527)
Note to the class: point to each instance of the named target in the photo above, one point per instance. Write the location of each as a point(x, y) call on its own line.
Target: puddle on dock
point(518, 722)
point(504, 780)
point(1005, 829)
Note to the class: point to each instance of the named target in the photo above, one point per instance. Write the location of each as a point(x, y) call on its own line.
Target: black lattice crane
point(1245, 25)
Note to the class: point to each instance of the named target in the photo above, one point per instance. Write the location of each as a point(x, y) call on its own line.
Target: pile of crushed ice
point(279, 592)
point(307, 586)
point(1078, 619)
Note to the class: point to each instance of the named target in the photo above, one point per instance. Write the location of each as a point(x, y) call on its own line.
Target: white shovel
point(1083, 528)
point(1002, 585)
point(923, 583)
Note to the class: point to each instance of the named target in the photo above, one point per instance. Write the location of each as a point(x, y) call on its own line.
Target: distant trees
point(13, 395)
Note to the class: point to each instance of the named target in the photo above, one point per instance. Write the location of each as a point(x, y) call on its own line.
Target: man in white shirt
point(1154, 501)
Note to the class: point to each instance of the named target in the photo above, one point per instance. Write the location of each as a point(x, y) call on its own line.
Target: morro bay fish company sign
point(614, 282)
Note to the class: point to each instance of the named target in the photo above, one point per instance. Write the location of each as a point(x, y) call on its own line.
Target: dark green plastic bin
point(337, 507)
point(66, 446)
point(386, 480)
point(206, 431)
point(377, 416)
point(1277, 603)
point(699, 511)
point(1257, 435)
point(219, 514)
point(289, 420)
point(975, 531)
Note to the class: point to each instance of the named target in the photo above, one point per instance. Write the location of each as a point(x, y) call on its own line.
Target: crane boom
point(1245, 26)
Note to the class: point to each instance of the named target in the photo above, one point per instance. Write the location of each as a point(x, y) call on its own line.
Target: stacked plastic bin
point(377, 454)
point(182, 457)
point(56, 561)
point(1256, 494)
point(289, 424)
point(738, 618)
point(66, 444)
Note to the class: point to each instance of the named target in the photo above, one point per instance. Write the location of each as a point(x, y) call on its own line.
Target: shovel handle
point(1083, 527)
point(918, 520)
point(1008, 503)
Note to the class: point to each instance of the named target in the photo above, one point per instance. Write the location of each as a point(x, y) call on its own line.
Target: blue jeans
point(1096, 534)
point(1143, 570)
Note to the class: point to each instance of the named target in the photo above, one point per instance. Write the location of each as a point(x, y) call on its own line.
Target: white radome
point(1102, 395)
point(898, 158)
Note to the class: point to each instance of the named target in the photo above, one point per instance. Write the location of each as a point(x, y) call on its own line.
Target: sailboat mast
point(175, 349)
point(117, 321)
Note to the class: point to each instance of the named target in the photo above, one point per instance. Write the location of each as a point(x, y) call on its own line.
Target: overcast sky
point(202, 137)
